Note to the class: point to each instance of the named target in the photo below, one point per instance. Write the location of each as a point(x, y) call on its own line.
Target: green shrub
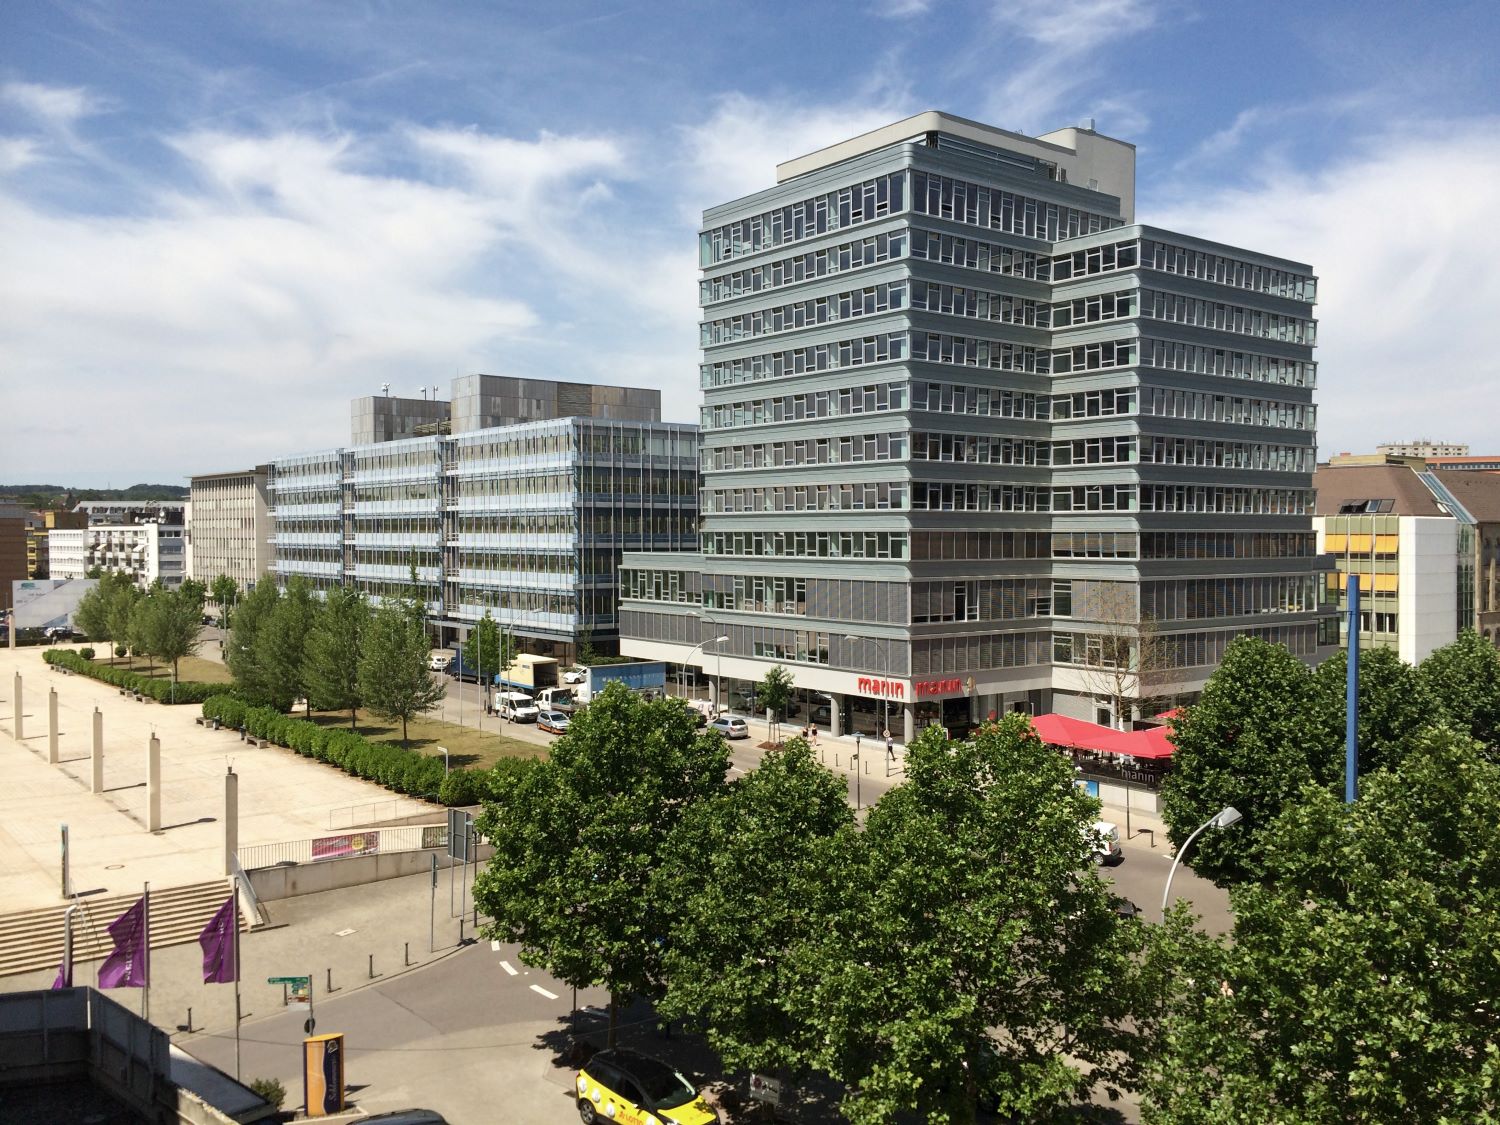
point(270, 1089)
point(464, 787)
point(86, 653)
point(187, 691)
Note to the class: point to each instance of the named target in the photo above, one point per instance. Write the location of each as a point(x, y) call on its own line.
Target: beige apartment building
point(230, 529)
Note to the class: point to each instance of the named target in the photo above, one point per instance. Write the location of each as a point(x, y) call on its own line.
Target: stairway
point(33, 939)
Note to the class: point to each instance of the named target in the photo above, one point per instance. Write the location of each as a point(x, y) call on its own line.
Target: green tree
point(978, 951)
point(224, 591)
point(486, 649)
point(242, 653)
point(331, 657)
point(750, 883)
point(1464, 681)
point(196, 592)
point(1394, 707)
point(1253, 740)
point(167, 623)
point(92, 617)
point(281, 643)
point(1361, 981)
point(775, 693)
point(394, 680)
point(579, 838)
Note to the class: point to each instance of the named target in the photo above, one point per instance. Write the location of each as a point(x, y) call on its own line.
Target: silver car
point(731, 726)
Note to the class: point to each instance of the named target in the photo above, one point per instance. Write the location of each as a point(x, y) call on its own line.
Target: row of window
point(806, 218)
point(1228, 454)
point(939, 655)
point(979, 304)
point(1172, 356)
point(869, 301)
point(1178, 309)
point(945, 197)
point(754, 593)
point(807, 544)
point(1240, 501)
point(835, 403)
point(988, 449)
point(1200, 406)
point(627, 483)
point(522, 484)
point(974, 254)
point(803, 267)
point(968, 351)
point(984, 402)
point(1195, 650)
point(1094, 357)
point(990, 599)
point(796, 646)
point(864, 495)
point(1228, 544)
point(807, 451)
point(476, 559)
point(516, 447)
point(1092, 310)
point(961, 497)
point(1197, 598)
point(1095, 259)
point(1228, 271)
point(1345, 543)
point(815, 357)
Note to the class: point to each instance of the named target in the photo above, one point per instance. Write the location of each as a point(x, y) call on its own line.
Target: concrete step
point(33, 939)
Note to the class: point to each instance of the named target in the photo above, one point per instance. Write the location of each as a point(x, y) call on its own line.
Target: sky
point(220, 222)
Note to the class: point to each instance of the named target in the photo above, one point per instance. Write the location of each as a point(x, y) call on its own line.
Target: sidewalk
point(282, 796)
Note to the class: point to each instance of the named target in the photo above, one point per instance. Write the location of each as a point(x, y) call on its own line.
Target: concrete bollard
point(52, 726)
point(16, 699)
point(96, 782)
point(153, 785)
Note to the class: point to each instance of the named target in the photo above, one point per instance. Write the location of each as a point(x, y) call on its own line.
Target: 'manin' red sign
point(885, 689)
point(938, 687)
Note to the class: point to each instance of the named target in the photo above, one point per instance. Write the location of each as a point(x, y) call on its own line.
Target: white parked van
point(1106, 841)
point(516, 706)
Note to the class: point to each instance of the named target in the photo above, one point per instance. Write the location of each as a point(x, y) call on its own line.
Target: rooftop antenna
point(423, 390)
point(434, 392)
point(386, 387)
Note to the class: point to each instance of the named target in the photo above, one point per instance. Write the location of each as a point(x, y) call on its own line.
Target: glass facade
point(527, 522)
point(1036, 396)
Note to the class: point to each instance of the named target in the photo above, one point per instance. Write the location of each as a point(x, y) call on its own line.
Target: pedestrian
point(813, 728)
point(890, 752)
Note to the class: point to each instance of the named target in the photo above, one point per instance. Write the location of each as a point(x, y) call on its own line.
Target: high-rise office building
point(974, 440)
point(146, 540)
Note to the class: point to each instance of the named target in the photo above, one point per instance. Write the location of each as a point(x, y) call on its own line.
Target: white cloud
point(16, 153)
point(1065, 39)
point(901, 9)
point(1402, 235)
point(52, 105)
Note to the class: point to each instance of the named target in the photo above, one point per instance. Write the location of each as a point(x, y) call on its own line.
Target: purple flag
point(217, 940)
point(126, 966)
point(64, 977)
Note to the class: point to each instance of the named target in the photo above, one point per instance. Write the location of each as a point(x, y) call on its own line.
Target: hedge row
point(188, 691)
point(404, 771)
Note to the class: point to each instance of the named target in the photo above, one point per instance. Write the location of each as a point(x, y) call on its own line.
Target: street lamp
point(682, 669)
point(444, 749)
point(1222, 819)
point(719, 675)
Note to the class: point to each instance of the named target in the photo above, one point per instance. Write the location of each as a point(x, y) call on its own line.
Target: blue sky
point(220, 222)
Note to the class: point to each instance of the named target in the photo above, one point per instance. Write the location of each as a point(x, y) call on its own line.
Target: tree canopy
point(1464, 681)
point(281, 644)
point(242, 652)
point(331, 657)
point(750, 882)
point(1361, 982)
point(487, 649)
point(579, 838)
point(394, 680)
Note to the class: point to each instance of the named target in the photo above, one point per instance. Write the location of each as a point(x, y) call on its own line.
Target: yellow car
point(636, 1090)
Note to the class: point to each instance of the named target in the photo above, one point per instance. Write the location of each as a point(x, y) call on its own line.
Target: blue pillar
point(1351, 696)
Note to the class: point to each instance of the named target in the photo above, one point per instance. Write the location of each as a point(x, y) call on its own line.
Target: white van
point(1105, 838)
point(516, 706)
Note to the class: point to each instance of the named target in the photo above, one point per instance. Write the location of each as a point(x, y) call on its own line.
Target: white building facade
point(229, 531)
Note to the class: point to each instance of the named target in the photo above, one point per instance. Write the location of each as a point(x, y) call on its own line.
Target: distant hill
point(41, 496)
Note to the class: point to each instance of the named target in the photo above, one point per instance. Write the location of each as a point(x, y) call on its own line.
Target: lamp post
point(858, 799)
point(444, 749)
point(719, 675)
point(682, 668)
point(1222, 819)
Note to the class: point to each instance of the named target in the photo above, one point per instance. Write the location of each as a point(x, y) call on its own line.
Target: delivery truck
point(528, 673)
point(637, 675)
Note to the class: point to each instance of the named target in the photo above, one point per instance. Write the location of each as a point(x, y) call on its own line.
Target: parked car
point(577, 674)
point(626, 1086)
point(1124, 907)
point(555, 722)
point(439, 661)
point(731, 726)
point(1105, 838)
point(62, 633)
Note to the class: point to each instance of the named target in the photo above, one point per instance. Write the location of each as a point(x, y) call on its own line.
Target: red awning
point(1172, 714)
point(1079, 734)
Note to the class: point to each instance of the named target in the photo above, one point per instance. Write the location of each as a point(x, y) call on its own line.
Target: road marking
point(342, 933)
point(735, 769)
point(506, 965)
point(543, 992)
point(495, 946)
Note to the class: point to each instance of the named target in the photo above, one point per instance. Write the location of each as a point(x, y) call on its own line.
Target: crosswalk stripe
point(539, 989)
point(508, 967)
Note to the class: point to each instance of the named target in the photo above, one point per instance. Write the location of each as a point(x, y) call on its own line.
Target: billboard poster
point(348, 844)
point(48, 603)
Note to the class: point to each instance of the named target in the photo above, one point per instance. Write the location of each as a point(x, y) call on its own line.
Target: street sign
point(299, 989)
point(765, 1089)
point(309, 1026)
